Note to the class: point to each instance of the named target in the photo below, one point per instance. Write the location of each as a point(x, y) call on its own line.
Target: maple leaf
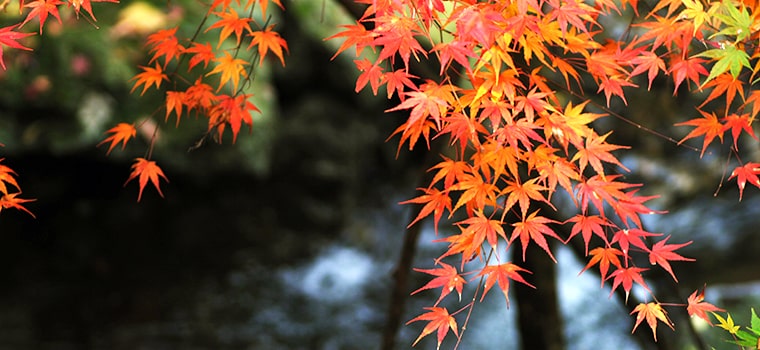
point(523, 193)
point(708, 125)
point(737, 124)
point(230, 23)
point(201, 53)
point(477, 191)
point(10, 200)
point(122, 132)
point(604, 257)
point(440, 321)
point(727, 323)
point(458, 50)
point(423, 105)
point(10, 38)
point(744, 173)
point(501, 274)
point(698, 307)
point(41, 9)
point(435, 201)
point(464, 244)
point(396, 36)
point(449, 170)
point(626, 277)
point(652, 312)
point(230, 68)
point(146, 170)
point(724, 85)
point(371, 73)
point(355, 35)
point(633, 236)
point(662, 253)
point(483, 229)
point(448, 279)
point(587, 225)
point(395, 82)
point(7, 177)
point(690, 68)
point(164, 44)
point(596, 151)
point(598, 189)
point(648, 62)
point(87, 6)
point(174, 102)
point(268, 40)
point(148, 77)
point(534, 228)
point(232, 110)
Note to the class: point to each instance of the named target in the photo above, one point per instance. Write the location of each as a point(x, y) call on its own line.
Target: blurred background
point(288, 239)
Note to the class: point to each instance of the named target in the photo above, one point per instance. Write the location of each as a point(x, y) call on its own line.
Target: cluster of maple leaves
point(502, 100)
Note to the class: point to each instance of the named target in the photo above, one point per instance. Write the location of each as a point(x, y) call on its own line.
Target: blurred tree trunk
point(538, 317)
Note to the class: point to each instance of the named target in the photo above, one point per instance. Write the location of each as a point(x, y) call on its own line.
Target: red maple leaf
point(586, 225)
point(439, 320)
point(41, 9)
point(698, 307)
point(737, 124)
point(690, 68)
point(744, 173)
point(164, 43)
point(371, 73)
point(448, 279)
point(633, 236)
point(662, 253)
point(146, 170)
point(626, 277)
point(501, 274)
point(9, 38)
point(201, 53)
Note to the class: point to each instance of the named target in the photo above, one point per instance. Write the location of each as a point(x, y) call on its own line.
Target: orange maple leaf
point(596, 151)
point(41, 9)
point(148, 77)
point(534, 228)
point(501, 274)
point(440, 321)
point(356, 35)
point(146, 170)
point(737, 124)
point(174, 102)
point(483, 228)
point(708, 125)
point(230, 68)
point(7, 177)
point(9, 38)
point(268, 40)
point(230, 23)
point(435, 202)
point(448, 279)
point(9, 200)
point(87, 6)
point(698, 307)
point(604, 256)
point(651, 312)
point(122, 132)
point(232, 110)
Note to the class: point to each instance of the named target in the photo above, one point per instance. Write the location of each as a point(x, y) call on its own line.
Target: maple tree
point(508, 97)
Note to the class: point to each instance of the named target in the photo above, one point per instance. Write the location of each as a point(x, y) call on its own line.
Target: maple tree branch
point(400, 274)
